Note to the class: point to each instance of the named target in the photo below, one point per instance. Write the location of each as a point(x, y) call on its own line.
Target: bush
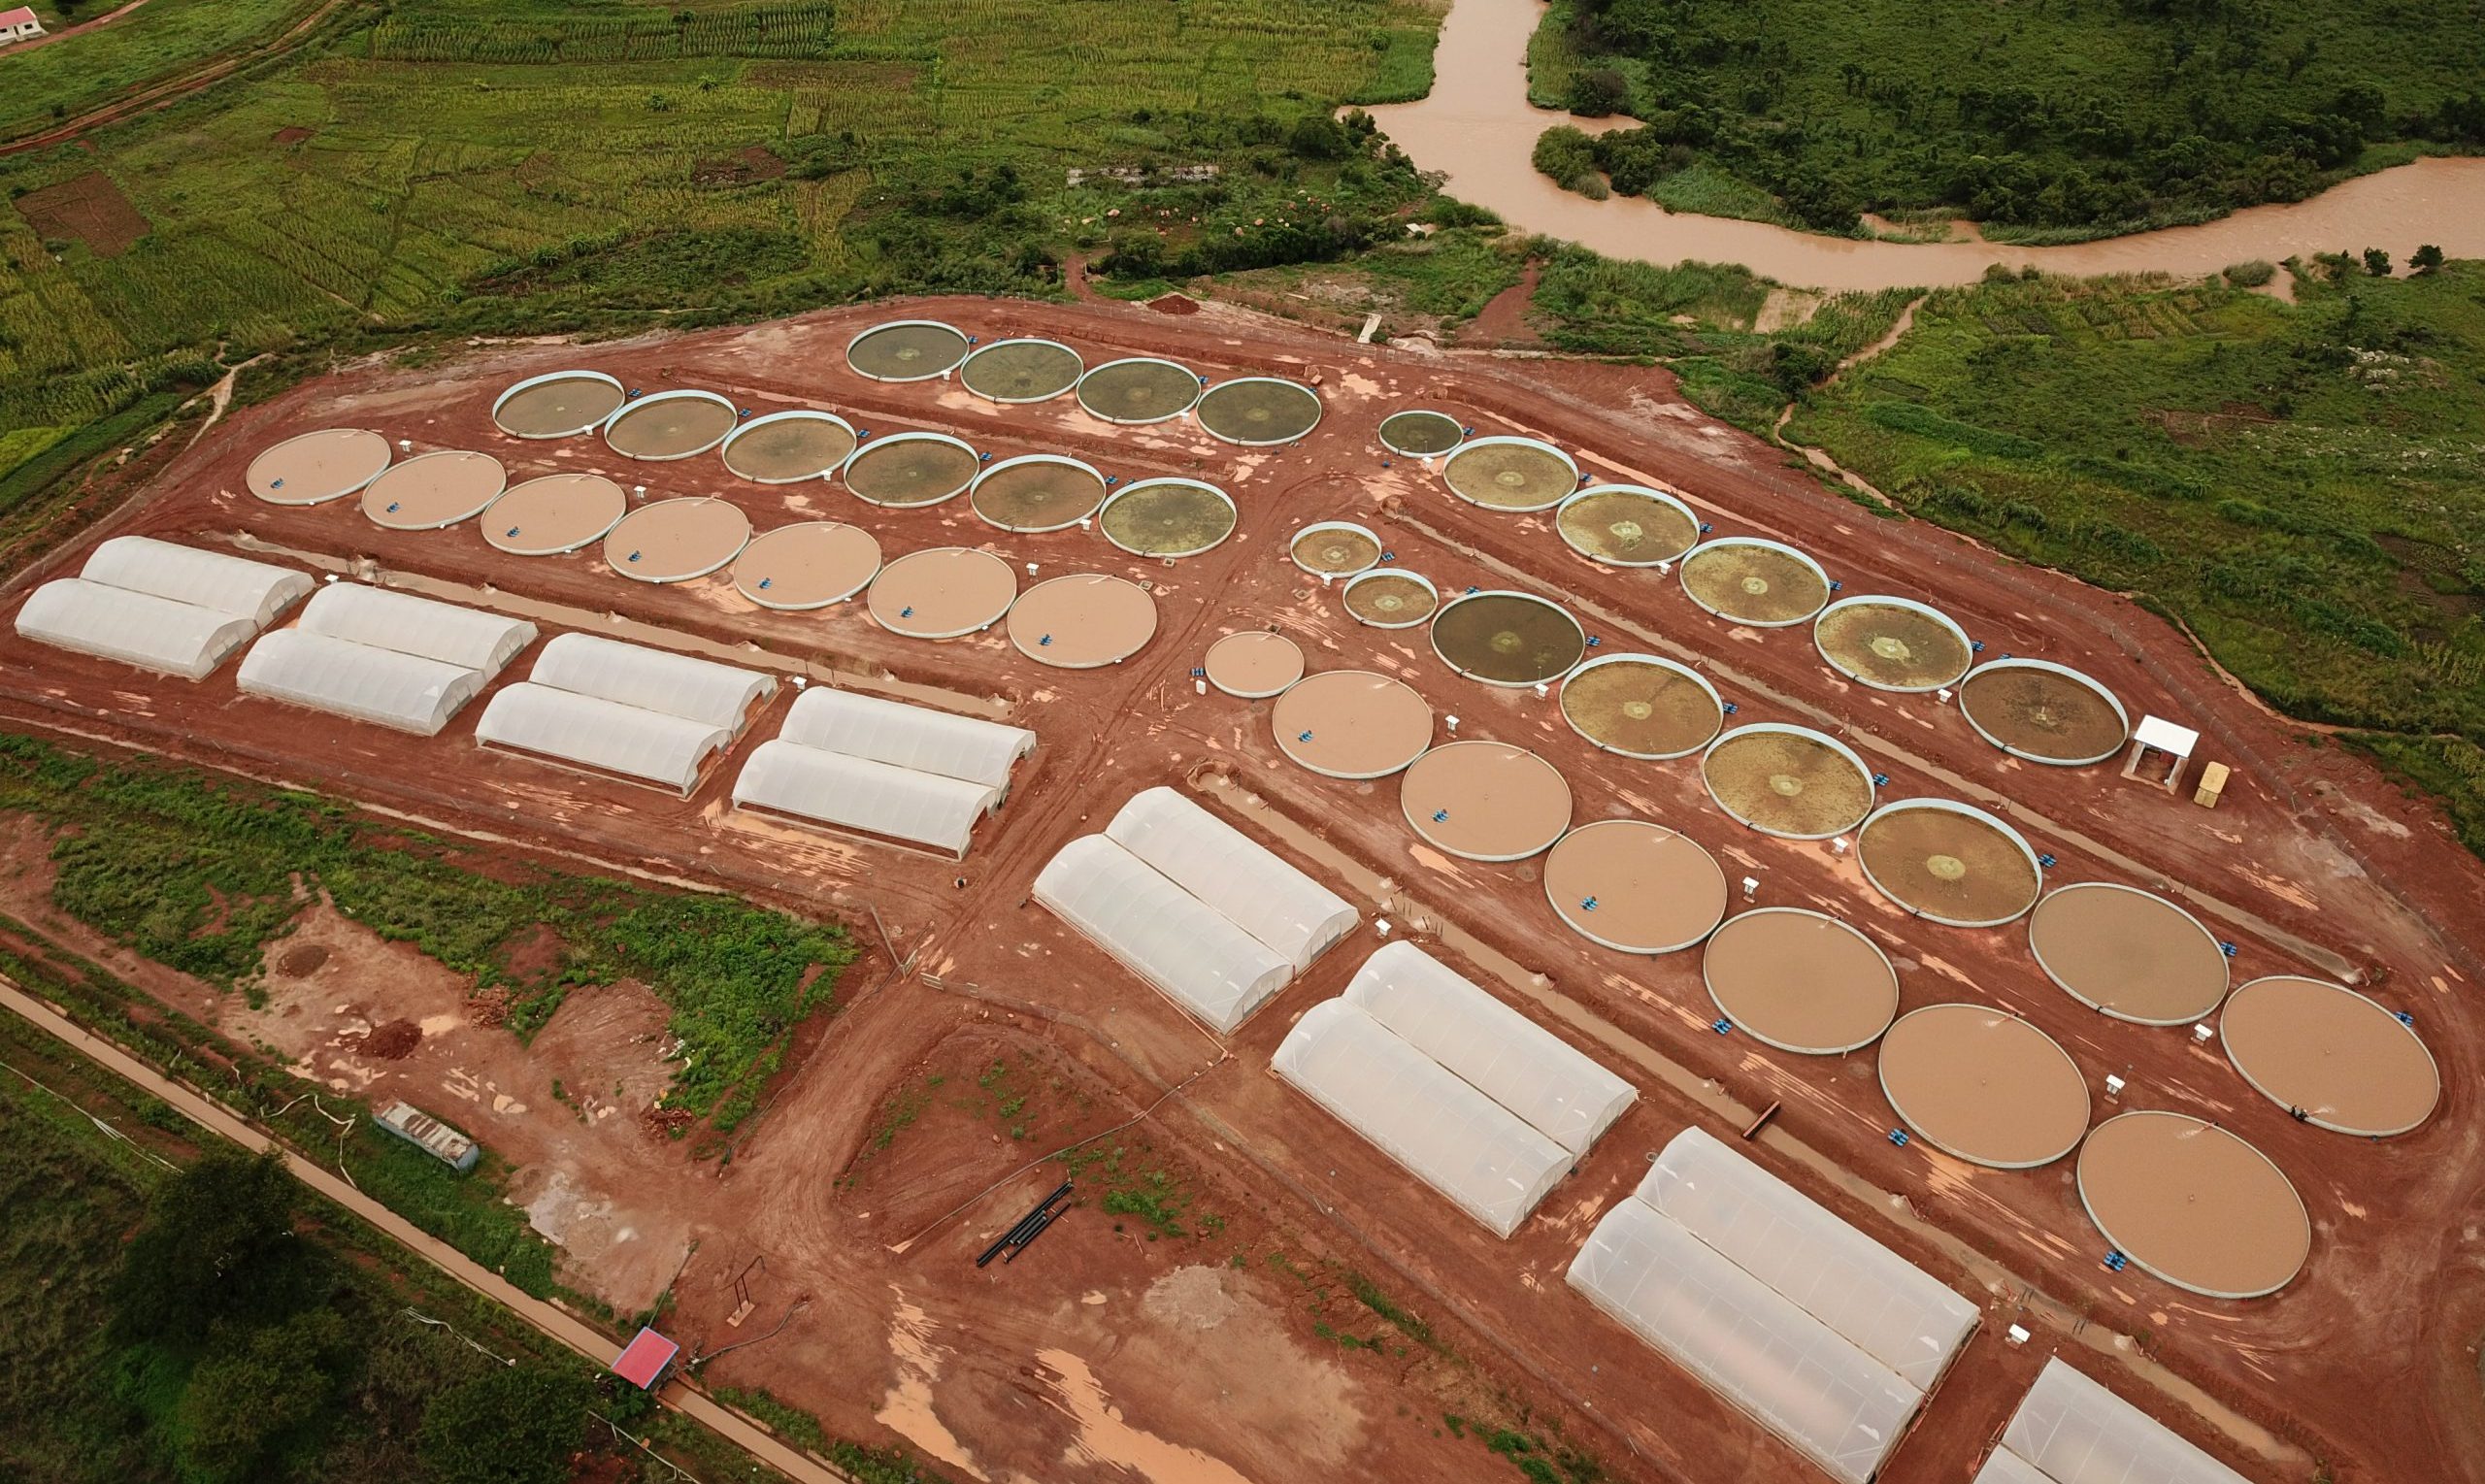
point(516, 1425)
point(2251, 274)
point(1567, 155)
point(1598, 92)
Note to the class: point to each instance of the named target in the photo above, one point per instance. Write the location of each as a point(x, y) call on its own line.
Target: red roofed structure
point(18, 24)
point(645, 1360)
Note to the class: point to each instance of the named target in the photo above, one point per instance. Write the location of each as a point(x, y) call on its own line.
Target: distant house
point(19, 25)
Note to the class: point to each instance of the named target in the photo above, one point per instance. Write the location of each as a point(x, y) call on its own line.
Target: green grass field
point(163, 37)
point(2303, 484)
point(2047, 121)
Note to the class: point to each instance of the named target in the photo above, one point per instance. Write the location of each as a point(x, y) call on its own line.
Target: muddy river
point(1477, 128)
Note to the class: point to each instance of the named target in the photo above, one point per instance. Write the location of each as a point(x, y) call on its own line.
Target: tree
point(2378, 262)
point(255, 1393)
point(512, 1425)
point(217, 1244)
point(2425, 258)
point(1600, 91)
point(1318, 137)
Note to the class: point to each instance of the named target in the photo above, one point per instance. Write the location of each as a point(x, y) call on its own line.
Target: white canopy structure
point(2071, 1430)
point(1462, 1143)
point(860, 793)
point(1556, 1088)
point(1189, 951)
point(652, 679)
point(211, 580)
point(1827, 1337)
point(903, 735)
point(381, 687)
point(604, 735)
point(383, 619)
point(1244, 881)
point(151, 633)
point(1885, 1306)
point(1745, 1340)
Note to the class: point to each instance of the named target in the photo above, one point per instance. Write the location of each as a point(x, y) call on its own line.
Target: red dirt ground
point(90, 209)
point(1059, 1366)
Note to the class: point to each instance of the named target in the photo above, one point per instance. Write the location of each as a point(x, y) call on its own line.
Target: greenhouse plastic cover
point(2075, 1432)
point(419, 626)
point(151, 633)
point(405, 691)
point(1555, 1087)
point(1178, 943)
point(1883, 1305)
point(906, 736)
point(857, 793)
point(1249, 884)
point(607, 735)
point(2004, 1467)
point(1745, 1340)
point(229, 585)
point(1462, 1143)
point(651, 679)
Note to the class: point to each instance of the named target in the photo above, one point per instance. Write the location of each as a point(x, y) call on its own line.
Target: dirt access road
point(1079, 1362)
point(158, 94)
point(591, 1344)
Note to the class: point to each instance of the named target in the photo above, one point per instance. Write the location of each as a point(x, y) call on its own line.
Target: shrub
point(2252, 274)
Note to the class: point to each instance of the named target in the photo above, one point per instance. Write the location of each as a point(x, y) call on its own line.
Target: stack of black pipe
point(1030, 1227)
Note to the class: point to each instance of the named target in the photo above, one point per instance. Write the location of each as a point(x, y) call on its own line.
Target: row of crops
point(751, 30)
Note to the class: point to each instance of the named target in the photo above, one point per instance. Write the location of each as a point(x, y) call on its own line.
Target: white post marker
point(2202, 1035)
point(1198, 687)
point(405, 446)
point(1751, 887)
point(1381, 925)
point(2114, 1086)
point(1944, 694)
point(1838, 845)
point(2018, 1335)
point(1452, 723)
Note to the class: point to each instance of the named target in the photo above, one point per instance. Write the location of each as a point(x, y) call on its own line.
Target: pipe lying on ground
point(1022, 1229)
point(1030, 1236)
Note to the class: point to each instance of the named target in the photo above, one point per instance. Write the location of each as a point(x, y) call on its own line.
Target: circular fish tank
point(559, 404)
point(1012, 371)
point(1392, 598)
point(1485, 801)
point(789, 446)
point(316, 468)
point(1761, 585)
point(1510, 474)
point(2043, 713)
point(943, 592)
point(1949, 863)
point(1635, 887)
point(1640, 706)
point(907, 350)
point(1037, 492)
point(1082, 622)
point(1138, 390)
point(1352, 724)
point(1422, 433)
point(1507, 638)
point(1983, 1085)
point(1335, 548)
point(1170, 517)
point(556, 513)
point(798, 568)
point(907, 470)
point(1801, 981)
point(1627, 525)
point(1258, 411)
point(1893, 643)
point(1254, 664)
point(671, 425)
point(674, 540)
point(432, 491)
point(1789, 782)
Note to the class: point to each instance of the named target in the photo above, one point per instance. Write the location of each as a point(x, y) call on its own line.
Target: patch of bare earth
point(90, 209)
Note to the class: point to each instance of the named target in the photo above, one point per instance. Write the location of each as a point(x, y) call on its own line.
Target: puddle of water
point(1104, 1437)
point(1477, 128)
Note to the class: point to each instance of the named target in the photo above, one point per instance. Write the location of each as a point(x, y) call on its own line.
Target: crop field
point(452, 166)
